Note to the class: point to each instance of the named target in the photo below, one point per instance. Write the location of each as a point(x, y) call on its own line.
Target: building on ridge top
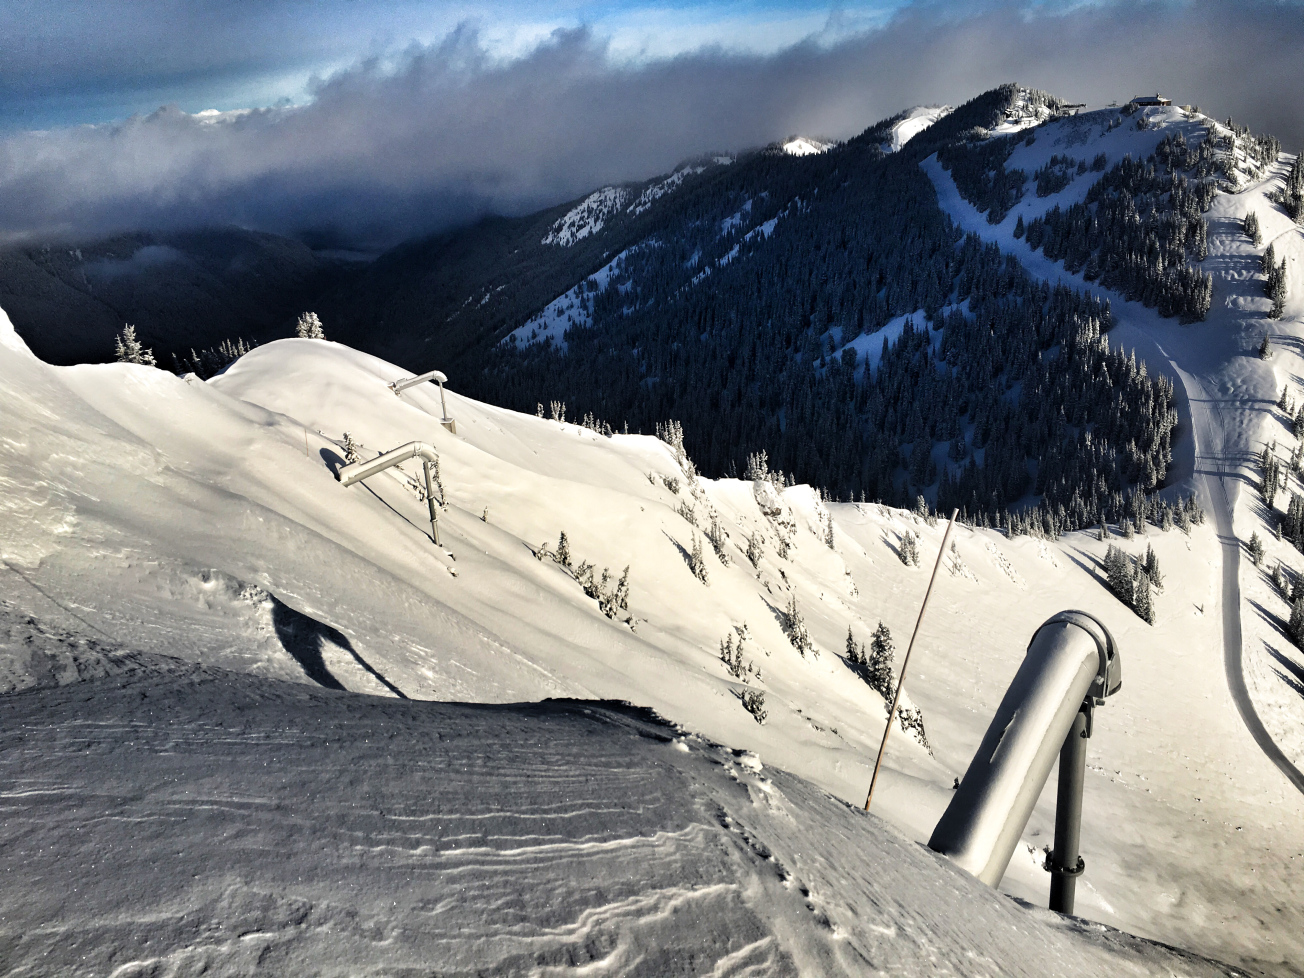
point(1148, 100)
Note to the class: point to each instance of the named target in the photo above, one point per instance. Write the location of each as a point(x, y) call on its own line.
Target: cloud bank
point(439, 134)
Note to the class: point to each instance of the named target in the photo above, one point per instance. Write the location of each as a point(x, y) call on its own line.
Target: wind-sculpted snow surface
point(187, 820)
point(144, 518)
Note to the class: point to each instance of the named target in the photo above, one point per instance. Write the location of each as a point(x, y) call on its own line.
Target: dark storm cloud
point(392, 148)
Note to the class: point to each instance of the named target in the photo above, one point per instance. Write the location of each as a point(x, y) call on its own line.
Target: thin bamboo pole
point(901, 682)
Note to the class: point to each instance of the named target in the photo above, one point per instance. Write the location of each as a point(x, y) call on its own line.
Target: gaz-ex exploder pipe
point(357, 471)
point(1070, 667)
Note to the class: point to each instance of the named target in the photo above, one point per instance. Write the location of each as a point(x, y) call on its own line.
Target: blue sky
point(71, 61)
point(376, 120)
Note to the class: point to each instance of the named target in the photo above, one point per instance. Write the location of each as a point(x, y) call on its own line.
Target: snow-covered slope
point(911, 123)
point(202, 521)
point(1230, 390)
point(242, 826)
point(805, 146)
point(587, 217)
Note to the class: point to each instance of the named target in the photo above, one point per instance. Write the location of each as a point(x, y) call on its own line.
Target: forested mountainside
point(180, 291)
point(825, 310)
point(440, 299)
point(820, 307)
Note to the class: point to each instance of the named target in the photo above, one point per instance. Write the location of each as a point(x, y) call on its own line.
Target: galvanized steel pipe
point(357, 471)
point(1070, 661)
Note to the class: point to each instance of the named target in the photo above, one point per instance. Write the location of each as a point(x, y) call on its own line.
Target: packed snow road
point(1220, 477)
point(1218, 456)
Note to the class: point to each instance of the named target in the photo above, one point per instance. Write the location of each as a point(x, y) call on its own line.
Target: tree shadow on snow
point(1277, 624)
point(1294, 674)
point(688, 558)
point(303, 638)
point(333, 461)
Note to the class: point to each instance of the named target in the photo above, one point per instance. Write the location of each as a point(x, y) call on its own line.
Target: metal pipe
point(357, 471)
point(1070, 657)
point(443, 405)
point(1064, 863)
point(401, 385)
point(430, 503)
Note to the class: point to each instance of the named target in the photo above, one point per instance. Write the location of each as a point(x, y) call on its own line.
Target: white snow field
point(260, 826)
point(201, 522)
point(916, 121)
point(805, 146)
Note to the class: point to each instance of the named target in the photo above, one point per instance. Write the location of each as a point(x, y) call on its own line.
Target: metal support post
point(1064, 863)
point(434, 513)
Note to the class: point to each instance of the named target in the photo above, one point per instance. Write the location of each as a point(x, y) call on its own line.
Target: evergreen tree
point(754, 551)
point(621, 596)
point(696, 563)
point(717, 537)
point(1265, 348)
point(1256, 549)
point(1118, 572)
point(1280, 581)
point(351, 454)
point(563, 550)
point(880, 673)
point(795, 625)
point(855, 656)
point(130, 350)
point(309, 327)
point(1296, 626)
point(1142, 601)
point(1151, 566)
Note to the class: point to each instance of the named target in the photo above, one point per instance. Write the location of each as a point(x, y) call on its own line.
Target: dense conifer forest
point(998, 395)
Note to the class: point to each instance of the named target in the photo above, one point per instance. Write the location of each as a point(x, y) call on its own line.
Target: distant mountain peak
point(806, 146)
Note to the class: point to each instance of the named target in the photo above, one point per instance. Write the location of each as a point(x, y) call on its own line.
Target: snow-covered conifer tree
point(1151, 567)
point(563, 550)
point(622, 590)
point(1296, 626)
point(1256, 549)
point(880, 673)
point(130, 350)
point(309, 327)
point(715, 533)
point(696, 563)
point(854, 651)
point(1142, 601)
point(795, 625)
point(1118, 571)
point(350, 449)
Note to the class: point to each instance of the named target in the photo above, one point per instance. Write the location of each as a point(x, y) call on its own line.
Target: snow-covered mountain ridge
point(202, 521)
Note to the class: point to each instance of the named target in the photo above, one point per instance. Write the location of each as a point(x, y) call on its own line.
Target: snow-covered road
point(1221, 469)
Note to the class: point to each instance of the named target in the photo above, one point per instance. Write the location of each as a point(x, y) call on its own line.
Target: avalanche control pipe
point(439, 378)
point(357, 471)
point(1070, 667)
